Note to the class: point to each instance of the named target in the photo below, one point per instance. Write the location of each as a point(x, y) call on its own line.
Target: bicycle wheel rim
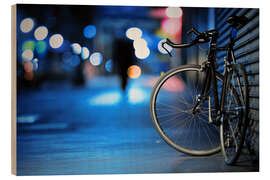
point(233, 129)
point(165, 135)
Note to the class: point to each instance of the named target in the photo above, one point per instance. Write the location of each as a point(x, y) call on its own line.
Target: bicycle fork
point(202, 96)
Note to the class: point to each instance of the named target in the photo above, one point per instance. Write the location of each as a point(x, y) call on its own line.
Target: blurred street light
point(27, 25)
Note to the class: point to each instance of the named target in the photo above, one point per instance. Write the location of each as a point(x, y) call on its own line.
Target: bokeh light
point(84, 53)
point(134, 71)
point(171, 25)
point(75, 61)
point(174, 12)
point(76, 48)
point(109, 65)
point(142, 52)
point(70, 59)
point(27, 55)
point(162, 34)
point(161, 49)
point(134, 33)
point(96, 58)
point(29, 44)
point(89, 31)
point(139, 43)
point(35, 64)
point(41, 47)
point(28, 66)
point(27, 25)
point(174, 84)
point(159, 13)
point(150, 39)
point(56, 41)
point(41, 33)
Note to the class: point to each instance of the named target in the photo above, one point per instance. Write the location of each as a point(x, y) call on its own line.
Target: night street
point(98, 129)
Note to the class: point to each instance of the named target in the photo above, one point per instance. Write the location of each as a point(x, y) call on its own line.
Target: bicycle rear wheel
point(234, 121)
point(172, 100)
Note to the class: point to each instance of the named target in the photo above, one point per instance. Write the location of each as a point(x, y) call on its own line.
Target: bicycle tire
point(165, 135)
point(234, 121)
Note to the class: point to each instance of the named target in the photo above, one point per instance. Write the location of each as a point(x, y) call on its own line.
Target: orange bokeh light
point(134, 71)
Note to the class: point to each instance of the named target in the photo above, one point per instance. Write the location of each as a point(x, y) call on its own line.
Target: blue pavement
point(98, 129)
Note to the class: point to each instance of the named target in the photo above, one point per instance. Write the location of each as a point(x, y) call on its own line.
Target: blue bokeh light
point(70, 59)
point(35, 64)
point(75, 61)
point(89, 31)
point(109, 65)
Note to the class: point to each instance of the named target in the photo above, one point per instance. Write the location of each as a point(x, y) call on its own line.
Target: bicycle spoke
point(169, 114)
point(177, 122)
point(183, 100)
point(192, 131)
point(188, 128)
point(204, 121)
point(169, 120)
point(208, 136)
point(171, 106)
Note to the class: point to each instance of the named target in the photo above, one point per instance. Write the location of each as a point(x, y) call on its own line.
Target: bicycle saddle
point(236, 21)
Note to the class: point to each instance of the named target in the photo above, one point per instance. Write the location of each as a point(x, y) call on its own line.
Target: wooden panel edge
point(13, 90)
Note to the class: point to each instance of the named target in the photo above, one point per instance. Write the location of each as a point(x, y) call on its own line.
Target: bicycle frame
point(210, 69)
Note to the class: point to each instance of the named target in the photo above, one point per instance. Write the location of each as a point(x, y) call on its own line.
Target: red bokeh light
point(172, 26)
point(28, 66)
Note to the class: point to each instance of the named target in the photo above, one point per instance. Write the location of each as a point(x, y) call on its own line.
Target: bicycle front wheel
point(172, 110)
point(235, 114)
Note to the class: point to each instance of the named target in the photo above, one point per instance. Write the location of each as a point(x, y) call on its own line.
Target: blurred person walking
point(123, 56)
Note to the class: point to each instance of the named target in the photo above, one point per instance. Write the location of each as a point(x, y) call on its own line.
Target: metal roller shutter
point(247, 53)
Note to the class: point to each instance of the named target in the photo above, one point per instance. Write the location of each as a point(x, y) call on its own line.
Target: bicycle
point(199, 111)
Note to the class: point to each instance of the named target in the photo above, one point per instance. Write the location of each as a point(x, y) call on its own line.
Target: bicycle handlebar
point(200, 38)
point(174, 45)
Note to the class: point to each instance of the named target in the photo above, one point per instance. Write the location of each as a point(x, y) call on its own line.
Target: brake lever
point(192, 30)
point(195, 31)
point(189, 32)
point(162, 44)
